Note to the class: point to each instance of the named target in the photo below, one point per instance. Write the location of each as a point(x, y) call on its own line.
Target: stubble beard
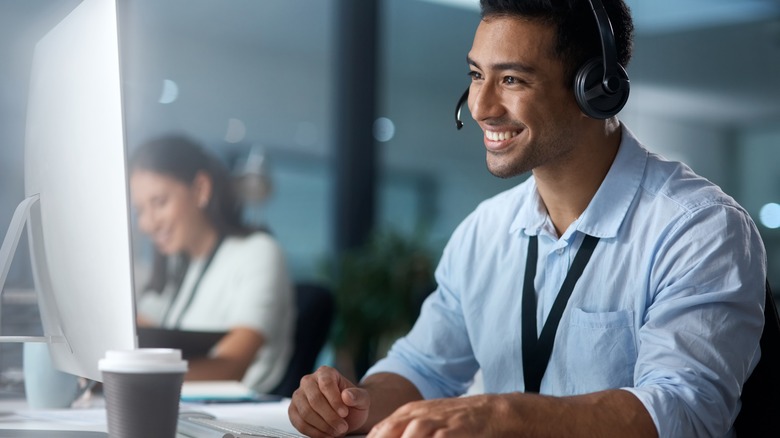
point(505, 166)
point(525, 158)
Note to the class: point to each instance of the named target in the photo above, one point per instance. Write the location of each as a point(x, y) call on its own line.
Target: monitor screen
point(75, 157)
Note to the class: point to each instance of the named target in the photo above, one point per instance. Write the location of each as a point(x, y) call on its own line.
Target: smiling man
point(613, 293)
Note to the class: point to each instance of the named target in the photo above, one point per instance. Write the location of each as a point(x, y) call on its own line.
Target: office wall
point(759, 167)
point(706, 148)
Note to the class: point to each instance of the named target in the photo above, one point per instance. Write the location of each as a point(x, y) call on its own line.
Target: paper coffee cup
point(142, 389)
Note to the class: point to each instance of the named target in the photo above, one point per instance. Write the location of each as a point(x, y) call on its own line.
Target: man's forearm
point(606, 413)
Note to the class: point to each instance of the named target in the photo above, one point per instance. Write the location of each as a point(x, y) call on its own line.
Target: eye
point(475, 75)
point(158, 201)
point(512, 80)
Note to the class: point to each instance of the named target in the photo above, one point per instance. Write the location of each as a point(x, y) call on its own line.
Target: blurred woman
point(210, 273)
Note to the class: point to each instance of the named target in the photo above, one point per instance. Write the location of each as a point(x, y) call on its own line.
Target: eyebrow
point(517, 66)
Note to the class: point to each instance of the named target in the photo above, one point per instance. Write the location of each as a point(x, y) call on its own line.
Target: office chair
point(315, 306)
point(761, 393)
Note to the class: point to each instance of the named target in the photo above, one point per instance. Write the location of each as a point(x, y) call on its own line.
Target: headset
point(601, 85)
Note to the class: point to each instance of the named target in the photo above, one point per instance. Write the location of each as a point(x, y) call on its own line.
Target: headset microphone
point(601, 86)
point(461, 101)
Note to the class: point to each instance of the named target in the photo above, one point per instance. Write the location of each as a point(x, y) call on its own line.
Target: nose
point(484, 101)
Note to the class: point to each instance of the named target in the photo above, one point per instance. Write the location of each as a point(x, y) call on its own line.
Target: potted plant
point(379, 289)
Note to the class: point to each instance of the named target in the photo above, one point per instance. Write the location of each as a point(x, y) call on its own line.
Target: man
point(661, 328)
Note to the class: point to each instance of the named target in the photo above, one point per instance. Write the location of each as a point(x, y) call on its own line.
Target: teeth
point(500, 136)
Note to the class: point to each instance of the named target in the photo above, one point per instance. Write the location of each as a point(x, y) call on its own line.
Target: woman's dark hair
point(577, 36)
point(181, 158)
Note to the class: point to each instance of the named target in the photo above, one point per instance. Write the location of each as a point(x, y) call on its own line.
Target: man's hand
point(450, 417)
point(605, 413)
point(328, 405)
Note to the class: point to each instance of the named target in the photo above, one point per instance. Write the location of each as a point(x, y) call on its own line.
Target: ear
point(202, 187)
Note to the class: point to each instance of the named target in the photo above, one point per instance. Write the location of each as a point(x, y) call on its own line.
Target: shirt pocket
point(601, 351)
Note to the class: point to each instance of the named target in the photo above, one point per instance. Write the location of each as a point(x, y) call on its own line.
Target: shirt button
point(559, 251)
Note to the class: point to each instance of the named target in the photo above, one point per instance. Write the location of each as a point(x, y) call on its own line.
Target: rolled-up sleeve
point(699, 339)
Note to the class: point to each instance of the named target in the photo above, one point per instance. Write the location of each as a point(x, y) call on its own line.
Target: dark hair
point(577, 34)
point(181, 158)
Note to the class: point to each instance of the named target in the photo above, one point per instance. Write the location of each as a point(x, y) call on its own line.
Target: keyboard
point(203, 425)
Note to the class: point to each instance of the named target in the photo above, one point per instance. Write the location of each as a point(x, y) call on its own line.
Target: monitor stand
point(21, 218)
point(7, 251)
point(12, 236)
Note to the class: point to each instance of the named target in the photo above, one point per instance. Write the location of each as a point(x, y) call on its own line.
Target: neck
point(567, 187)
point(205, 245)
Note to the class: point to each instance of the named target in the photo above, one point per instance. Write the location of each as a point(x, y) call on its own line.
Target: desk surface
point(14, 414)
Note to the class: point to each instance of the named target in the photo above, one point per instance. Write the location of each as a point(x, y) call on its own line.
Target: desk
point(14, 414)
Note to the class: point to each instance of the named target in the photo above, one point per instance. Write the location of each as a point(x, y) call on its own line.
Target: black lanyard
point(536, 352)
point(194, 288)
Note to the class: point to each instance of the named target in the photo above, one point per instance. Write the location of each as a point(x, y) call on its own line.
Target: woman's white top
point(245, 285)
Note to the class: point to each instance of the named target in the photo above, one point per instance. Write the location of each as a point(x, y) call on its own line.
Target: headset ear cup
point(600, 105)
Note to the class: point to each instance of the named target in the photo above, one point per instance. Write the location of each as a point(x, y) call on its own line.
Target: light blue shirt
point(670, 306)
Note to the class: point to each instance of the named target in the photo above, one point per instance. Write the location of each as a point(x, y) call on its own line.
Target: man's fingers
point(331, 384)
point(389, 427)
point(318, 406)
point(356, 398)
point(314, 406)
point(307, 423)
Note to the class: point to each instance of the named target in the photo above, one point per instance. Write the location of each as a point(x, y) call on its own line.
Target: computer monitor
point(76, 207)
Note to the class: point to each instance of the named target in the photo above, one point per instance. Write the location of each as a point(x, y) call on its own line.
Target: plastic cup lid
point(143, 360)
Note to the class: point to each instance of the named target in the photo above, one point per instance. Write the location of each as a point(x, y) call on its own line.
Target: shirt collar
point(609, 206)
point(532, 214)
